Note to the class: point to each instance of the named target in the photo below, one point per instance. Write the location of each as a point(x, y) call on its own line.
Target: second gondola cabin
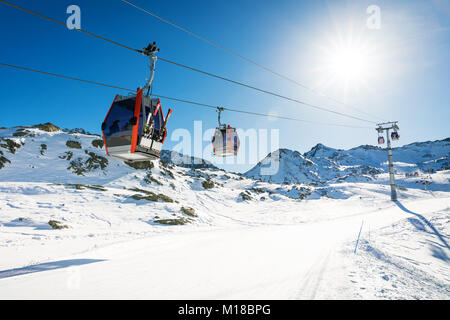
point(225, 142)
point(395, 136)
point(134, 128)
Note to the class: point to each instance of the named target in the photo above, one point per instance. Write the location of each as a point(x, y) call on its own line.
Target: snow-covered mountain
point(323, 164)
point(45, 153)
point(77, 224)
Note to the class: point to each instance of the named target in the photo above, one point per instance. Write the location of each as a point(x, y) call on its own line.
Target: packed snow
point(166, 231)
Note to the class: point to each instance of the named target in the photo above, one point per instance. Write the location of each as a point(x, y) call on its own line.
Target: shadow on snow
point(46, 267)
point(424, 220)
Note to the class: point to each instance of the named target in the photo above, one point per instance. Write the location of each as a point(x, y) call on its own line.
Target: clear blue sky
point(405, 73)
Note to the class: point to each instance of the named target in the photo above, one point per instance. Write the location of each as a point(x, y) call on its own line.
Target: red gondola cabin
point(135, 128)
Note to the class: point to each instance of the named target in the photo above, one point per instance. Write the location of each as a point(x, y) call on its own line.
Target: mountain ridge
point(82, 153)
point(325, 164)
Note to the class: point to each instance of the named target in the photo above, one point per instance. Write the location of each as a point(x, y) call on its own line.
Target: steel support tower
point(388, 126)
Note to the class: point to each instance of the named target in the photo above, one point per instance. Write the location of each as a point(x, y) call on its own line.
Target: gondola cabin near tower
point(135, 128)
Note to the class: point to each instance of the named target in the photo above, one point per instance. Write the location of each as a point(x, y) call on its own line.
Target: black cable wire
point(177, 99)
point(264, 91)
point(63, 24)
point(246, 59)
point(65, 77)
point(191, 68)
point(259, 114)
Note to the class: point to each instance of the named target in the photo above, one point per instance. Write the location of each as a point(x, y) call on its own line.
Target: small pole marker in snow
point(357, 241)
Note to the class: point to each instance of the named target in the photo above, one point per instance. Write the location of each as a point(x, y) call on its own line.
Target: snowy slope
point(40, 156)
point(399, 257)
point(128, 236)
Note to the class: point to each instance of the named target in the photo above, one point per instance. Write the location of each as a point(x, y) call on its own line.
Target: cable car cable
point(246, 59)
point(260, 114)
point(264, 91)
point(191, 68)
point(65, 77)
point(180, 100)
point(65, 25)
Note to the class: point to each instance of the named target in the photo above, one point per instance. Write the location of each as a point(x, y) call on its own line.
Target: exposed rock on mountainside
point(48, 127)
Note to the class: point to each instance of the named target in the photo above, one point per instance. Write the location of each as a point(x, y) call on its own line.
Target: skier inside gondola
point(114, 127)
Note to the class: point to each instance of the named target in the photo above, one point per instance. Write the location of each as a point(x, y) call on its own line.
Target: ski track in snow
point(303, 261)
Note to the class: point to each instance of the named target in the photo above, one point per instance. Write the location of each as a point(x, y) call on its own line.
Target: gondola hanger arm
point(219, 112)
point(150, 51)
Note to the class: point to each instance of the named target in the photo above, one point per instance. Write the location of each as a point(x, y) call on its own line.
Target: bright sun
point(346, 63)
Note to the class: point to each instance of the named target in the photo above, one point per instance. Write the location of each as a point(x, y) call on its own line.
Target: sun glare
point(346, 63)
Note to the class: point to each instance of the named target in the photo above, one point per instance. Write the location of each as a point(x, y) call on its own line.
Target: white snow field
point(247, 239)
